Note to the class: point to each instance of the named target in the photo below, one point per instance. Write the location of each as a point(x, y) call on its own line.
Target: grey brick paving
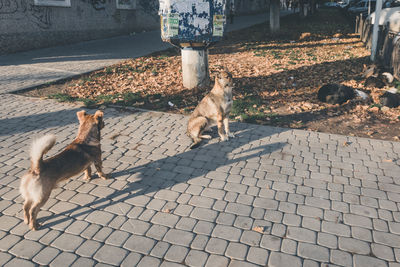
point(269, 196)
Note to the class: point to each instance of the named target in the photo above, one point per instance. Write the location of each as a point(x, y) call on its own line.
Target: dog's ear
point(98, 116)
point(81, 115)
point(99, 113)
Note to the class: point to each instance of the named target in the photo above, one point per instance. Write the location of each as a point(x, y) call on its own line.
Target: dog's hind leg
point(33, 212)
point(26, 208)
point(196, 127)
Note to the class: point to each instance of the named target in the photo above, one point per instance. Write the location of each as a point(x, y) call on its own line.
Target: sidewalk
point(32, 68)
point(272, 196)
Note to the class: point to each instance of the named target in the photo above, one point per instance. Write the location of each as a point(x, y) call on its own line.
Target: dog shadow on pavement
point(210, 164)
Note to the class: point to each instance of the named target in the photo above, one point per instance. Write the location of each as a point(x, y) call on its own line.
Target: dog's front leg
point(99, 168)
point(88, 173)
point(220, 125)
point(226, 124)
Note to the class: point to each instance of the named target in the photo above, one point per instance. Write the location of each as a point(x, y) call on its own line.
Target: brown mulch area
point(276, 79)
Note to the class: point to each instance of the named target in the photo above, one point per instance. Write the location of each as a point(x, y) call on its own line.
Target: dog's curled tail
point(40, 147)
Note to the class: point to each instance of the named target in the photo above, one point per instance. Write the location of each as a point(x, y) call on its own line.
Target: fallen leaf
point(259, 229)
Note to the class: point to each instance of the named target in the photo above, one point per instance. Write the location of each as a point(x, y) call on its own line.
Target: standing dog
point(43, 176)
point(213, 109)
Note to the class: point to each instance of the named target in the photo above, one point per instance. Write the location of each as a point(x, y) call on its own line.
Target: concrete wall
point(25, 26)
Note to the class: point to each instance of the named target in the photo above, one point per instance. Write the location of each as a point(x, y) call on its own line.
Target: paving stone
point(382, 252)
point(110, 255)
point(186, 224)
point(238, 209)
point(341, 258)
point(26, 249)
point(236, 251)
point(8, 242)
point(289, 246)
point(361, 260)
point(354, 246)
point(160, 249)
point(135, 226)
point(117, 238)
point(46, 255)
point(280, 259)
point(336, 228)
point(83, 262)
point(258, 255)
point(99, 217)
point(63, 259)
point(271, 242)
point(301, 234)
point(88, 248)
point(179, 237)
point(176, 253)
point(199, 242)
point(165, 219)
point(196, 258)
point(227, 233)
point(4, 257)
point(217, 260)
point(204, 214)
point(157, 232)
point(139, 244)
point(7, 222)
point(148, 261)
point(204, 228)
point(19, 262)
point(132, 259)
point(314, 252)
point(391, 240)
point(216, 246)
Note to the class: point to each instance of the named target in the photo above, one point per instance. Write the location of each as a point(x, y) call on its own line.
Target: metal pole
point(375, 30)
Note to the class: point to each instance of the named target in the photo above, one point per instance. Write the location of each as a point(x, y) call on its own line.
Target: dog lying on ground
point(376, 77)
point(335, 93)
point(213, 109)
point(43, 176)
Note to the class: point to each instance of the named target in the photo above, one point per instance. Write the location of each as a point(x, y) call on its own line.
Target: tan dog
point(77, 157)
point(213, 109)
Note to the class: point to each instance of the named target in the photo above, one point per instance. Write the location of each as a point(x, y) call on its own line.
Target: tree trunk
point(274, 16)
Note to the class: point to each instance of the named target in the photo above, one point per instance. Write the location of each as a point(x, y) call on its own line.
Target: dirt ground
point(277, 78)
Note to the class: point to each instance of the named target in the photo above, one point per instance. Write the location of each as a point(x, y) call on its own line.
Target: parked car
point(363, 6)
point(331, 4)
point(389, 16)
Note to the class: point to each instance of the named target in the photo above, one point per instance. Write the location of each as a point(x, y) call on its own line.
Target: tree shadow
point(205, 162)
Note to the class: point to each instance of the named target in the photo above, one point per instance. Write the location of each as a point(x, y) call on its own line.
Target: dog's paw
point(34, 226)
point(87, 177)
point(206, 136)
point(104, 176)
point(231, 135)
point(224, 138)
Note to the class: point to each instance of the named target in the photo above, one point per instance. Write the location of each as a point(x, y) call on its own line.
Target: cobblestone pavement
point(271, 196)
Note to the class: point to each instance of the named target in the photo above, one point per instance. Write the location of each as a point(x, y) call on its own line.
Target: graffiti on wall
point(149, 6)
point(19, 10)
point(96, 4)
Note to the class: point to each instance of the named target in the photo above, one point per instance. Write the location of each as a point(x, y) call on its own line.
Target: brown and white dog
point(213, 109)
point(43, 176)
